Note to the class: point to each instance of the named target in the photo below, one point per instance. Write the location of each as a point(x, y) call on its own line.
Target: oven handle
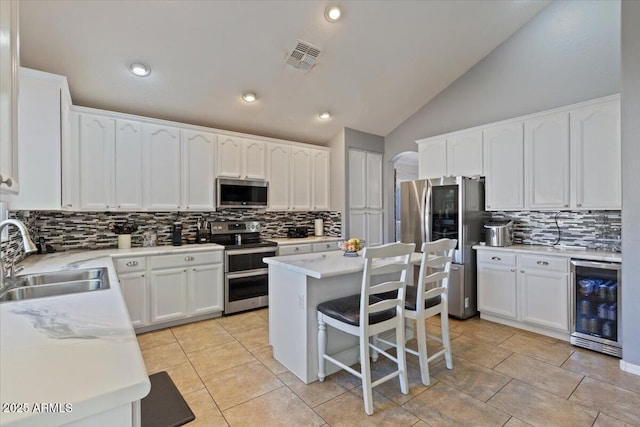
point(251, 251)
point(250, 273)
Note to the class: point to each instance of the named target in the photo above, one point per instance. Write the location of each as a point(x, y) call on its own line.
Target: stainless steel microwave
point(242, 193)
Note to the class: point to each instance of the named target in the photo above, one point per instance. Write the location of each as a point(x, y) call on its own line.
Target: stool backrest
point(434, 269)
point(389, 259)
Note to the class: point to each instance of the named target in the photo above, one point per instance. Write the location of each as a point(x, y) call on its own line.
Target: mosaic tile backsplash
point(588, 229)
point(93, 230)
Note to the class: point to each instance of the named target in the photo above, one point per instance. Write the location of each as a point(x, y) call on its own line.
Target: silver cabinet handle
point(189, 258)
point(296, 249)
point(578, 204)
point(488, 206)
point(496, 258)
point(521, 271)
point(566, 206)
point(132, 263)
point(542, 263)
point(7, 181)
point(513, 270)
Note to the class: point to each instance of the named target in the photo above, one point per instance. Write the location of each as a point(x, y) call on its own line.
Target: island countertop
point(324, 264)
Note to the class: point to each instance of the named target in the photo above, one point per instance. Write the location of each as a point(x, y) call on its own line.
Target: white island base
point(297, 284)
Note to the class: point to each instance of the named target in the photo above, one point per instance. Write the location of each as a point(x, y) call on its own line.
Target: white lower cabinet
point(530, 289)
point(159, 289)
point(366, 225)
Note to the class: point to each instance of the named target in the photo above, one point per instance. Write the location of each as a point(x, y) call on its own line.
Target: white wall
point(630, 178)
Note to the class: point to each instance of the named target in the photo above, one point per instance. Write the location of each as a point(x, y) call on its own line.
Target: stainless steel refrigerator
point(451, 207)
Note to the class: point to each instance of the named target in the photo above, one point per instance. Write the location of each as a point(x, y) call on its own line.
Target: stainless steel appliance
point(451, 207)
point(243, 193)
point(596, 309)
point(499, 233)
point(246, 279)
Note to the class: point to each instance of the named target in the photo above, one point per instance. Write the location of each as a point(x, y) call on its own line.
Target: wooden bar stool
point(366, 315)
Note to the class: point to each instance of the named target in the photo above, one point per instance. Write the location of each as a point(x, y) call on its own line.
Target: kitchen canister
point(319, 227)
point(124, 241)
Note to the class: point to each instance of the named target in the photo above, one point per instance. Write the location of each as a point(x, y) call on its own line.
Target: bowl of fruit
point(351, 247)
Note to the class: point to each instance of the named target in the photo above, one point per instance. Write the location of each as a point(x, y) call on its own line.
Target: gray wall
point(363, 140)
point(630, 178)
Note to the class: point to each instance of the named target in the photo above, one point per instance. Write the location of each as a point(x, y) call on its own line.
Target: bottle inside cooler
point(597, 306)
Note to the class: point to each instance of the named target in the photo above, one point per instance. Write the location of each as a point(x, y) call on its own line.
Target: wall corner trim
point(630, 367)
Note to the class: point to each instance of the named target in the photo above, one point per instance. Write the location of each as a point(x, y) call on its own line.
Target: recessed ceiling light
point(249, 97)
point(139, 69)
point(325, 115)
point(333, 12)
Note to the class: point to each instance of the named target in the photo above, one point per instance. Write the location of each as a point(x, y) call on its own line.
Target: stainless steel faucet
point(28, 244)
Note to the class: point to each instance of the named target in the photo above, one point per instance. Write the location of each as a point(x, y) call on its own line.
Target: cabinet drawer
point(497, 258)
point(181, 260)
point(545, 263)
point(294, 249)
point(125, 265)
point(325, 246)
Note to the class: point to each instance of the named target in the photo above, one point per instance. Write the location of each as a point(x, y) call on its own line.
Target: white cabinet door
point(168, 294)
point(162, 166)
point(230, 157)
point(134, 290)
point(39, 142)
point(464, 154)
point(9, 61)
point(320, 179)
point(254, 154)
point(546, 141)
point(358, 225)
point(497, 290)
point(504, 167)
point(198, 177)
point(279, 175)
point(301, 178)
point(128, 165)
point(357, 179)
point(373, 183)
point(206, 288)
point(595, 156)
point(374, 234)
point(432, 158)
point(96, 147)
point(545, 298)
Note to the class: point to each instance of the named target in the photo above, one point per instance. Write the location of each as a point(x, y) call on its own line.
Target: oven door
point(238, 260)
point(246, 290)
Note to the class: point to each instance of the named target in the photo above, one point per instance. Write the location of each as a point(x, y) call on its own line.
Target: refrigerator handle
point(426, 218)
point(422, 214)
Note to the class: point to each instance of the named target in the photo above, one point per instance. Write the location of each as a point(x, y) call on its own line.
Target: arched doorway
point(405, 167)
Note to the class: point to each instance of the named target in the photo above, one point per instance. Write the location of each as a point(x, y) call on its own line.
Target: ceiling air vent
point(303, 56)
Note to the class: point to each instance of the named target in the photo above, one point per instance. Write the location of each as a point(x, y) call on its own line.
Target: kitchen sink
point(42, 285)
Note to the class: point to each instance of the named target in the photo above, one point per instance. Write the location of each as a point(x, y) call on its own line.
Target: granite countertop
point(77, 349)
point(563, 251)
point(304, 240)
point(324, 264)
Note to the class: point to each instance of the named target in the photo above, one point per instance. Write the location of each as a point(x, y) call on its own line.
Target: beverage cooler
point(596, 318)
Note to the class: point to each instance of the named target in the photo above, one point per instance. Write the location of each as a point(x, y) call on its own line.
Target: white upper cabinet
point(198, 175)
point(40, 135)
point(374, 181)
point(357, 179)
point(320, 178)
point(162, 166)
point(9, 61)
point(546, 142)
point(596, 156)
point(128, 165)
point(301, 178)
point(365, 196)
point(96, 146)
point(504, 167)
point(279, 176)
point(241, 158)
point(464, 154)
point(432, 158)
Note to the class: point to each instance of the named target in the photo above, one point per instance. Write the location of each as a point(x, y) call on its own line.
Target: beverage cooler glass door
point(445, 212)
point(596, 297)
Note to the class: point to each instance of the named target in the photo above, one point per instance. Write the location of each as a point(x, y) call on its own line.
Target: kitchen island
point(297, 284)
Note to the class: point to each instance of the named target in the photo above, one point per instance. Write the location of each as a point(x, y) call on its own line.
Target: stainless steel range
point(246, 279)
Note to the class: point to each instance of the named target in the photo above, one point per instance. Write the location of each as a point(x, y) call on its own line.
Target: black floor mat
point(164, 406)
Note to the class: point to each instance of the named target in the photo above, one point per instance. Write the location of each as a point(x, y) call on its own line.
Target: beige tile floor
point(502, 377)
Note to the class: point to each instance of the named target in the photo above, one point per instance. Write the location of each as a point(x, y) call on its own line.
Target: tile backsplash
point(93, 230)
point(589, 229)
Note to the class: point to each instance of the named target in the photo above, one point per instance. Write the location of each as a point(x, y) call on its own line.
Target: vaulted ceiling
point(378, 65)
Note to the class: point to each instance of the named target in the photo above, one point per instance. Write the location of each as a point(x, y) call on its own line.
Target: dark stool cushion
point(347, 310)
point(164, 406)
point(410, 299)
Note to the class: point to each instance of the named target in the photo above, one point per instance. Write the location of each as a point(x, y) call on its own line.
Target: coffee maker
point(176, 234)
